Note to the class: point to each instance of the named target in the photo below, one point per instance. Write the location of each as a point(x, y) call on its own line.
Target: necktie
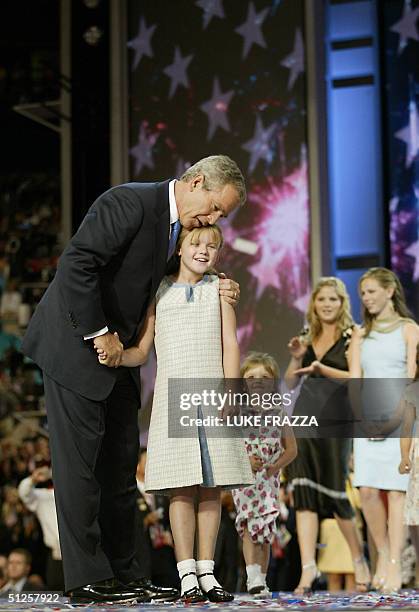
point(174, 233)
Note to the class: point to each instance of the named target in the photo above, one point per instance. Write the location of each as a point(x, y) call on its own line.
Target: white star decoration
point(265, 272)
point(406, 26)
point(210, 8)
point(258, 146)
point(216, 108)
point(251, 29)
point(177, 71)
point(410, 134)
point(143, 150)
point(413, 251)
point(142, 42)
point(295, 60)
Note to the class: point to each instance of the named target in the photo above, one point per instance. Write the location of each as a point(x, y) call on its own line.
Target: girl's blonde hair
point(195, 234)
point(255, 358)
point(344, 318)
point(386, 279)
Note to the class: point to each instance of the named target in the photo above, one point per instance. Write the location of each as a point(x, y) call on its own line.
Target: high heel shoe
point(380, 577)
point(361, 567)
point(393, 584)
point(314, 584)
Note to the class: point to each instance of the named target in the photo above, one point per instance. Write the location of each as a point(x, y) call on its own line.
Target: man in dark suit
point(105, 280)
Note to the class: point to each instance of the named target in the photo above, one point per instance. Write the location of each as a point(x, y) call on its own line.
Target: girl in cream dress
point(194, 333)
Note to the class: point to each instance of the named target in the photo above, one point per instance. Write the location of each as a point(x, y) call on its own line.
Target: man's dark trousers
point(97, 514)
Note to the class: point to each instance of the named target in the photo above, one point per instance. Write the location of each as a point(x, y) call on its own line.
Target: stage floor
point(406, 600)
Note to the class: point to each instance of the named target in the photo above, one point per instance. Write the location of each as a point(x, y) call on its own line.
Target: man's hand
point(109, 349)
point(229, 290)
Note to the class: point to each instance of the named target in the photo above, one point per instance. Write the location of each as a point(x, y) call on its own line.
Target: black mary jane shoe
point(194, 595)
point(216, 594)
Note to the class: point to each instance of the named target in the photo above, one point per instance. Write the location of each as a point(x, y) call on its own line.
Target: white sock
point(254, 575)
point(206, 566)
point(188, 582)
point(263, 578)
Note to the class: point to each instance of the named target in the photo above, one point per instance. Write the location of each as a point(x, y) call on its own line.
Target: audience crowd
point(30, 556)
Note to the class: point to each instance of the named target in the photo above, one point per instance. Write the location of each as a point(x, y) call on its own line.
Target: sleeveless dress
point(188, 345)
point(376, 461)
point(319, 472)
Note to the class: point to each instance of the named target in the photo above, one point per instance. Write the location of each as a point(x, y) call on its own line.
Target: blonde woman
point(385, 347)
point(319, 472)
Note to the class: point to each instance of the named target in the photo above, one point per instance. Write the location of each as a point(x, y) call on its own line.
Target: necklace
point(387, 325)
point(391, 319)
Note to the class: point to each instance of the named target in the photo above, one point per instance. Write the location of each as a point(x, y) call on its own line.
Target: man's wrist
point(100, 332)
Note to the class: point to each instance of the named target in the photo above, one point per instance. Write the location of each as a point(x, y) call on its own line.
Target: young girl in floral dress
point(269, 449)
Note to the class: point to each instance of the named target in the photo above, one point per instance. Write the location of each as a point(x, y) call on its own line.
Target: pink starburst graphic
point(282, 235)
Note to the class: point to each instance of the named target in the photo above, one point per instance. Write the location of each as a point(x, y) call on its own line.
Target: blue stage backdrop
point(401, 87)
point(214, 76)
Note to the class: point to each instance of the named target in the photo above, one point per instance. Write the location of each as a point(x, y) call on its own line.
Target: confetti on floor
point(406, 600)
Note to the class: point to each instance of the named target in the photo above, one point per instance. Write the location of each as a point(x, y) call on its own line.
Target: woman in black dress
point(319, 472)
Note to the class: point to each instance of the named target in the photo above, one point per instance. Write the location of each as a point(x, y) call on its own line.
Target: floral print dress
point(258, 505)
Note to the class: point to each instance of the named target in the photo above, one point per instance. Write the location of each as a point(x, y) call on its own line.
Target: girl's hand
point(405, 465)
point(357, 334)
point(313, 368)
point(272, 470)
point(102, 355)
point(256, 463)
point(297, 348)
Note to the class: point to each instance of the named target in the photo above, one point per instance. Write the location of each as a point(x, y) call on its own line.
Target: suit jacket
point(106, 276)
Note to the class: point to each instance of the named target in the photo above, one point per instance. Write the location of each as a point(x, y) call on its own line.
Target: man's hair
point(218, 171)
point(25, 553)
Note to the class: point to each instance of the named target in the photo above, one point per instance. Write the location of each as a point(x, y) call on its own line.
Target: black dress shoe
point(155, 593)
point(105, 591)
